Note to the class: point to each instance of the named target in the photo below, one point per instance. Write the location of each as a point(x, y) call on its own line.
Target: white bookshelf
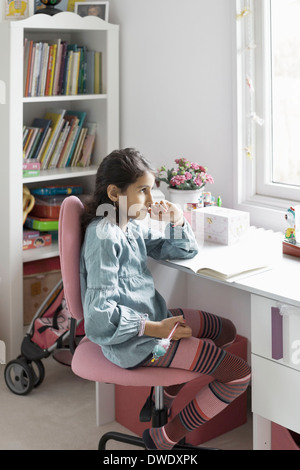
point(16, 110)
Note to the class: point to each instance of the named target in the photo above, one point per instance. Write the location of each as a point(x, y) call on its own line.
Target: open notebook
point(257, 251)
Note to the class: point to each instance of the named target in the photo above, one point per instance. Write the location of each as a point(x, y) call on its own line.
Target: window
point(268, 74)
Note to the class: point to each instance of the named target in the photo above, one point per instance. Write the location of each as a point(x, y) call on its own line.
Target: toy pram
point(47, 334)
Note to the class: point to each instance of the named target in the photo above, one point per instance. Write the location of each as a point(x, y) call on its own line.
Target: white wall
point(176, 100)
point(176, 87)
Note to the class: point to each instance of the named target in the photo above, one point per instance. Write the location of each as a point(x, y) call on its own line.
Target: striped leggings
point(204, 353)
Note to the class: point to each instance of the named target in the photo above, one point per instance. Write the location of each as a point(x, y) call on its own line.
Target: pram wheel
point(38, 371)
point(19, 377)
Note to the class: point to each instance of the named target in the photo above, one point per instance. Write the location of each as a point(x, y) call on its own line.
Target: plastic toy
point(162, 346)
point(28, 202)
point(290, 231)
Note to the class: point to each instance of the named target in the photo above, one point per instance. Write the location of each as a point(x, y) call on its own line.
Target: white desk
point(275, 382)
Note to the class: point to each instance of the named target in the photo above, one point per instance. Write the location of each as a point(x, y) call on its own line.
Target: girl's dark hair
point(121, 168)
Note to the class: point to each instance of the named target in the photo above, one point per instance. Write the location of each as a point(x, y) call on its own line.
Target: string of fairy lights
point(246, 17)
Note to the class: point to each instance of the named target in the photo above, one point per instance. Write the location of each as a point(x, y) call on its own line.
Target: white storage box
point(220, 225)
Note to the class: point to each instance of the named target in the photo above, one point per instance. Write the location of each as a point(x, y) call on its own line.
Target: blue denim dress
point(117, 288)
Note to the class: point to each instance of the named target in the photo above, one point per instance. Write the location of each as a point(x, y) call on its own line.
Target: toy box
point(220, 225)
point(39, 278)
point(47, 207)
point(37, 242)
point(284, 439)
point(41, 224)
point(57, 190)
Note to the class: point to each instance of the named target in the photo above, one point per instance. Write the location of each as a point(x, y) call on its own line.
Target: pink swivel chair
point(88, 361)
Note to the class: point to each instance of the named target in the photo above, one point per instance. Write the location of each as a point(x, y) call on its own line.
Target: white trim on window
point(255, 192)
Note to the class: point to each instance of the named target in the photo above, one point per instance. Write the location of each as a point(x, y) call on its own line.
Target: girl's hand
point(163, 328)
point(167, 212)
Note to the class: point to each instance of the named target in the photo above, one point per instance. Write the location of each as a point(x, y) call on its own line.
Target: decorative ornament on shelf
point(186, 182)
point(50, 7)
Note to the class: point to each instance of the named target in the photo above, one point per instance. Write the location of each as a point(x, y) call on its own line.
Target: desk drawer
point(275, 392)
point(275, 331)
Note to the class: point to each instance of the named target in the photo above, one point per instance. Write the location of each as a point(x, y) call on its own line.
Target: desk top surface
point(281, 282)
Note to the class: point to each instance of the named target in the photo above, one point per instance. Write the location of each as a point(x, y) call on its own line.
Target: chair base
point(138, 442)
point(159, 417)
point(120, 437)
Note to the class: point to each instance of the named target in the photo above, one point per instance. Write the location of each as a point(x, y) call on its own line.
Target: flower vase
point(183, 197)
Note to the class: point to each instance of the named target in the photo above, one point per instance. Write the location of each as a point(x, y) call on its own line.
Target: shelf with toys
point(18, 111)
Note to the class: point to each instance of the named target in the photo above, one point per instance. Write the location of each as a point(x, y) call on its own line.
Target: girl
point(124, 313)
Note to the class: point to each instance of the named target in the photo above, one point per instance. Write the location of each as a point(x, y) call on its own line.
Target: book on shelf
point(30, 173)
point(50, 67)
point(59, 139)
point(78, 149)
point(29, 137)
point(85, 155)
point(44, 143)
point(81, 115)
point(93, 72)
point(31, 165)
point(44, 125)
point(59, 67)
point(97, 71)
point(56, 118)
point(90, 72)
point(28, 47)
point(73, 124)
point(59, 145)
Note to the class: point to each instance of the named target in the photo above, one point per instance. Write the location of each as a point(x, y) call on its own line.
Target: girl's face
point(138, 197)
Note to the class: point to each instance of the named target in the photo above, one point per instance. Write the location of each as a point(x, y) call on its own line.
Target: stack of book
point(31, 168)
point(60, 139)
point(60, 68)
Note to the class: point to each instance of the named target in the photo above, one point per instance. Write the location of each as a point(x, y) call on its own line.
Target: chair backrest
point(69, 239)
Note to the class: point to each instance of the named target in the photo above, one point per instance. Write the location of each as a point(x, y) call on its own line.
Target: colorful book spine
point(57, 140)
point(61, 68)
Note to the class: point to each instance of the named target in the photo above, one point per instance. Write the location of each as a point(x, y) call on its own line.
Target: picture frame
point(99, 9)
point(15, 9)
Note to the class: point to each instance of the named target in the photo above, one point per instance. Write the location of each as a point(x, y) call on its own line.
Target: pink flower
point(177, 180)
point(187, 176)
point(195, 166)
point(180, 160)
point(198, 180)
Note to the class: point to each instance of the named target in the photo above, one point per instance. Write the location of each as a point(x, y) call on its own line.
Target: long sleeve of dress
point(176, 242)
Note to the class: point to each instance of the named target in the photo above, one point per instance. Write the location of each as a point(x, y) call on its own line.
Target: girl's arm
point(178, 241)
point(163, 328)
